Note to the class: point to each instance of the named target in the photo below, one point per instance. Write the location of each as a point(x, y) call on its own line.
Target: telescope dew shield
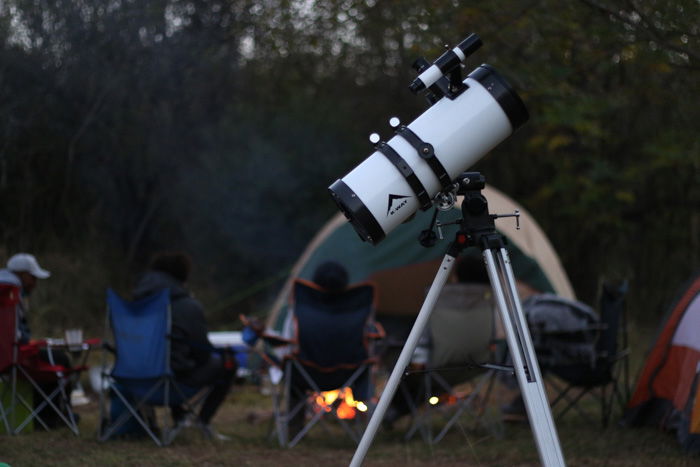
point(381, 192)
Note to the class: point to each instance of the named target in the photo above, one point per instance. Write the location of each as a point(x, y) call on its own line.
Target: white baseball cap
point(24, 262)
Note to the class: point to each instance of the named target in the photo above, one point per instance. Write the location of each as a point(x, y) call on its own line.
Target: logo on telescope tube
point(396, 202)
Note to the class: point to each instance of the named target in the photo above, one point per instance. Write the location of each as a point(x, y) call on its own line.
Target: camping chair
point(332, 351)
point(458, 344)
point(9, 298)
point(140, 379)
point(20, 363)
point(604, 376)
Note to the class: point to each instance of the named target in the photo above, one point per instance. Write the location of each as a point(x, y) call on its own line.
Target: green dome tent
point(402, 269)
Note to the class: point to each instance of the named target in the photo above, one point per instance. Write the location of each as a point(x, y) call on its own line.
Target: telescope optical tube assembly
point(402, 175)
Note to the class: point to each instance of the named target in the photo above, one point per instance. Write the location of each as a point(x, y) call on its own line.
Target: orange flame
point(445, 399)
point(346, 406)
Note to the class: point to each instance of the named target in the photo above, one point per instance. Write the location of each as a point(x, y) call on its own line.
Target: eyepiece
point(416, 86)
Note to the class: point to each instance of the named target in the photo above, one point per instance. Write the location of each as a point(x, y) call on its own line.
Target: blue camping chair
point(141, 378)
point(333, 350)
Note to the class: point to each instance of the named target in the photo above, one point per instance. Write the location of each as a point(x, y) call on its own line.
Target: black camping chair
point(333, 350)
point(453, 382)
point(606, 375)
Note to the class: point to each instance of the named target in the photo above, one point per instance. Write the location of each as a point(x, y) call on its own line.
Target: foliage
point(215, 126)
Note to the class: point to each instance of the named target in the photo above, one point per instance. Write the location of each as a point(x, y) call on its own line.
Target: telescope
point(465, 120)
point(423, 165)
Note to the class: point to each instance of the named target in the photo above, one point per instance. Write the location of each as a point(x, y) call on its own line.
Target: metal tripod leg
point(524, 359)
point(404, 359)
point(519, 343)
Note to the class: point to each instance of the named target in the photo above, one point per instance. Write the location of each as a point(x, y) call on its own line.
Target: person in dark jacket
point(193, 359)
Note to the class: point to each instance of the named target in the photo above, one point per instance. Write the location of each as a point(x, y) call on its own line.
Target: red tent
point(667, 392)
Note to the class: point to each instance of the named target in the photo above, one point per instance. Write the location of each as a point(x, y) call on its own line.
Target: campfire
point(346, 407)
point(443, 399)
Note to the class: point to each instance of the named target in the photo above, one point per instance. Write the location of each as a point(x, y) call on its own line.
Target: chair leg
point(279, 427)
point(465, 403)
point(48, 399)
point(132, 411)
point(561, 393)
point(571, 402)
point(422, 418)
point(3, 412)
point(417, 423)
point(615, 396)
point(290, 413)
point(18, 399)
point(4, 420)
point(607, 399)
point(283, 411)
point(605, 407)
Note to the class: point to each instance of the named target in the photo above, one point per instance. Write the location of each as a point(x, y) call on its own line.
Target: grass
point(246, 417)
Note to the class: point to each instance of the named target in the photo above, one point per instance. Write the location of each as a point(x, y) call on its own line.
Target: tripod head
point(477, 226)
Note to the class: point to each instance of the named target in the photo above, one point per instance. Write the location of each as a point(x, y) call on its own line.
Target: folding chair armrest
point(252, 322)
point(27, 353)
point(272, 360)
point(32, 346)
point(376, 331)
point(42, 367)
point(563, 333)
point(276, 340)
point(35, 343)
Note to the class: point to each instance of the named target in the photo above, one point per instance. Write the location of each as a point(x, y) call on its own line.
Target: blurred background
point(215, 127)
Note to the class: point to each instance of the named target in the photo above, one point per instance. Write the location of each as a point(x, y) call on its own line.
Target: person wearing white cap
point(23, 270)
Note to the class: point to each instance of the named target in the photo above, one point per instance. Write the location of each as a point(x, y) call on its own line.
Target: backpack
point(563, 331)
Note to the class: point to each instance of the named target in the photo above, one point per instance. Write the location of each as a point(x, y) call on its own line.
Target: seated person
point(23, 271)
point(193, 359)
point(331, 278)
point(456, 340)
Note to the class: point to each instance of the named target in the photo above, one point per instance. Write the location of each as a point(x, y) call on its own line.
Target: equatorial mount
point(474, 207)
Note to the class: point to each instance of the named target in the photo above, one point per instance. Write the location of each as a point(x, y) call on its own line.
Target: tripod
point(477, 228)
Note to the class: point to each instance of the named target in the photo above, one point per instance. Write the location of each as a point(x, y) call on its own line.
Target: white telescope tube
point(378, 195)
